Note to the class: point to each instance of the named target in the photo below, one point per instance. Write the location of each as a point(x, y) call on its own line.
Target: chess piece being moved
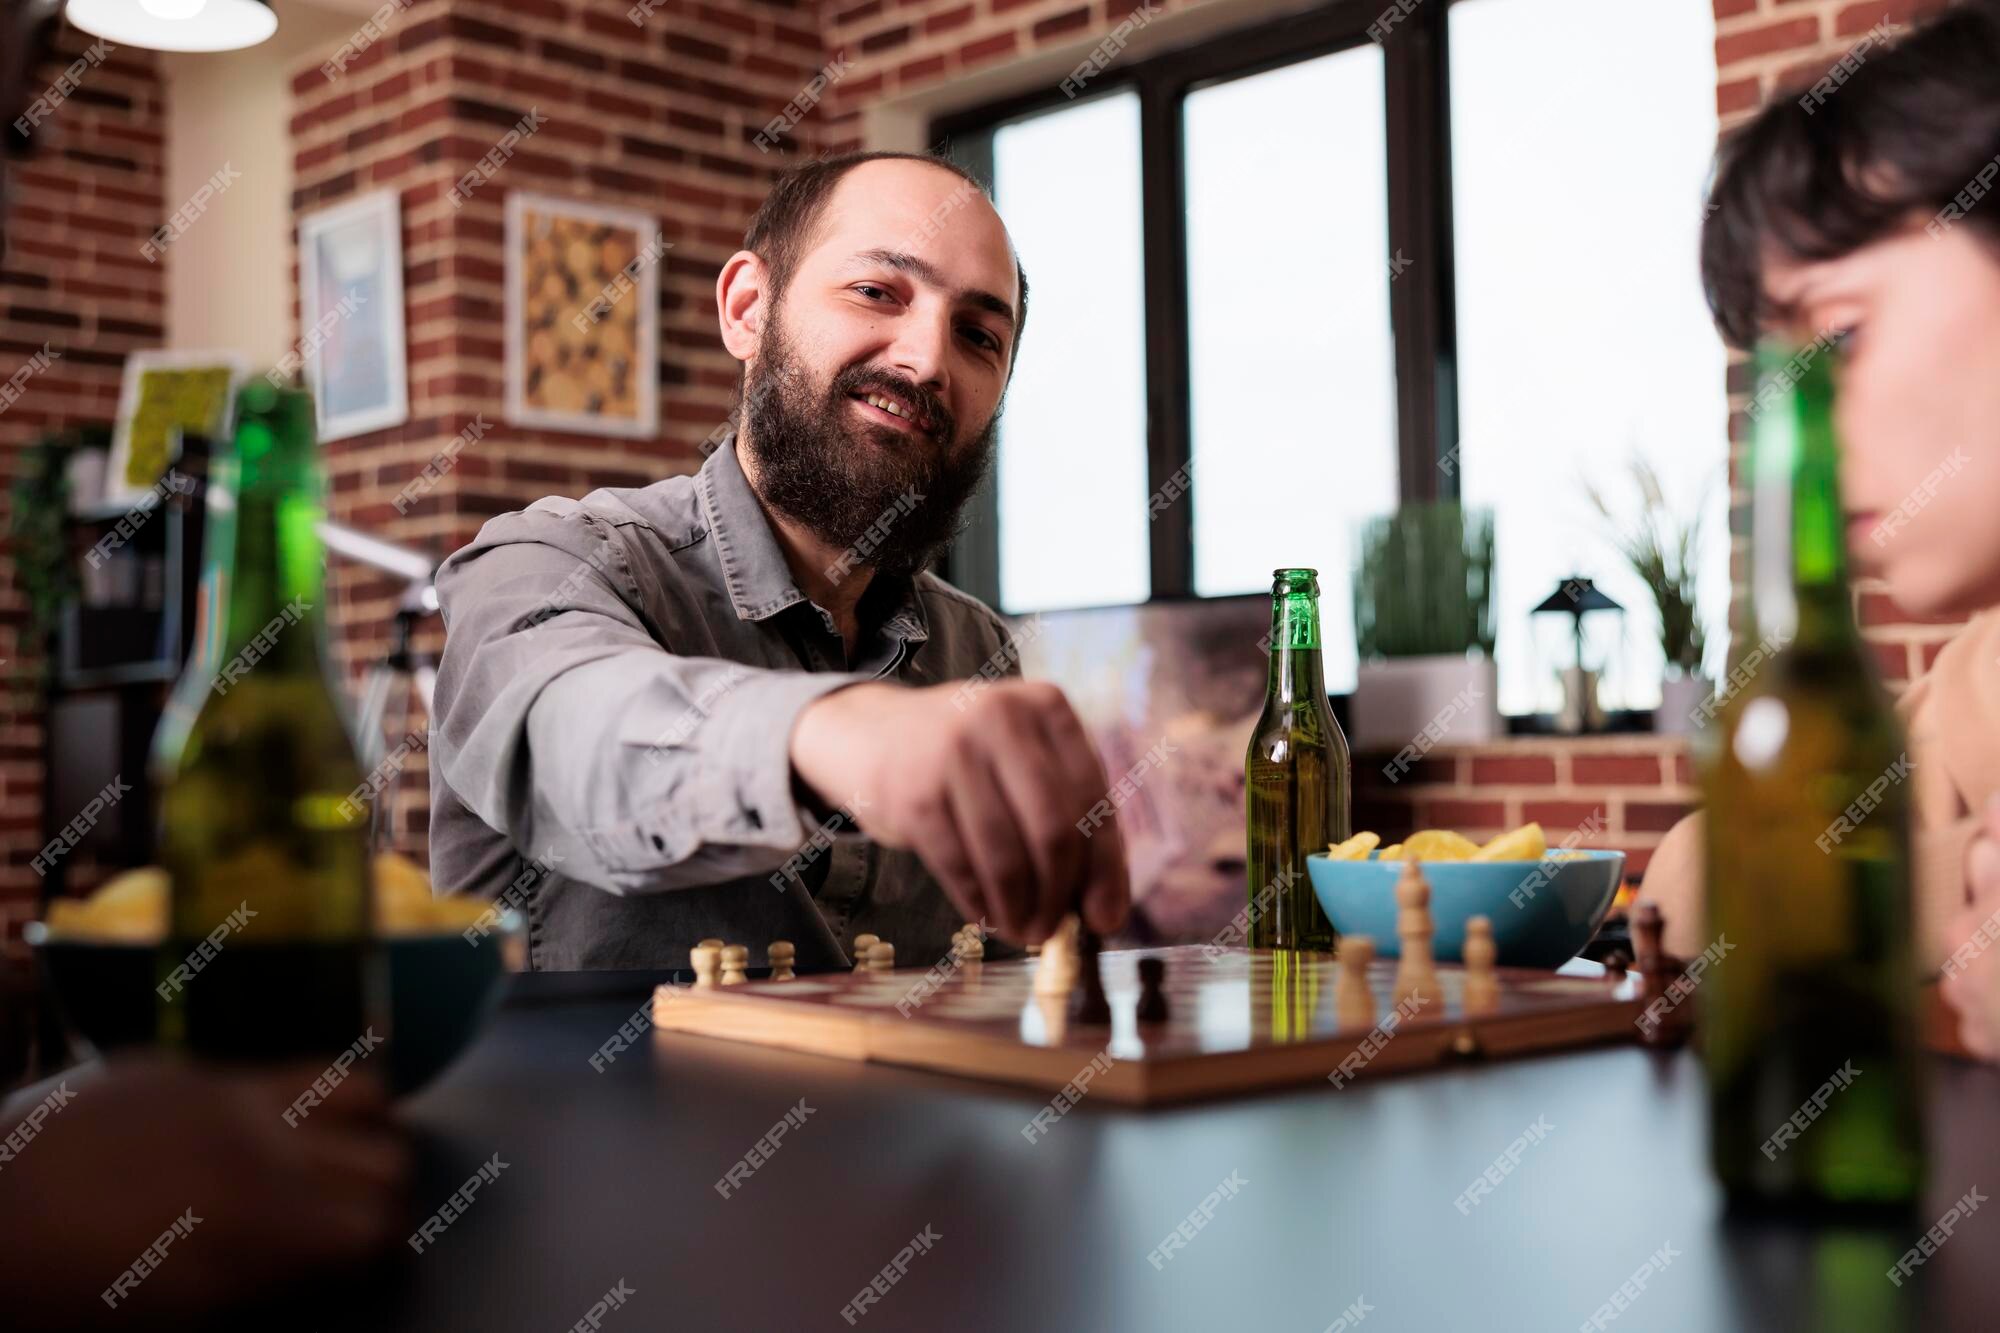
point(1152, 1006)
point(1055, 973)
point(1091, 1004)
point(1354, 998)
point(1482, 980)
point(1416, 970)
point(881, 956)
point(859, 950)
point(1663, 1022)
point(735, 961)
point(781, 953)
point(706, 959)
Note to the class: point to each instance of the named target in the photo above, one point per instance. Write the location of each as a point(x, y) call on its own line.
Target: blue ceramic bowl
point(441, 991)
point(1542, 912)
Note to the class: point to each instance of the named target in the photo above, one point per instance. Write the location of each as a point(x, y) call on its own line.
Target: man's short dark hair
point(1823, 172)
point(783, 230)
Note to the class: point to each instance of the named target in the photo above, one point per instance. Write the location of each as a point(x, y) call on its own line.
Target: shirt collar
point(753, 564)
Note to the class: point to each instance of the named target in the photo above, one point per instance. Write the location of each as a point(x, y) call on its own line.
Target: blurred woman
point(1868, 213)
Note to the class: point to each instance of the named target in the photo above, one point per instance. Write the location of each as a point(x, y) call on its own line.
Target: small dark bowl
point(441, 990)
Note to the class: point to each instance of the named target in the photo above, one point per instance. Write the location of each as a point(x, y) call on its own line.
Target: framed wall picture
point(583, 316)
point(160, 392)
point(351, 315)
point(1191, 670)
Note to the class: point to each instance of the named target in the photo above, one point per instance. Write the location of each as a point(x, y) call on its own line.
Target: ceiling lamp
point(176, 25)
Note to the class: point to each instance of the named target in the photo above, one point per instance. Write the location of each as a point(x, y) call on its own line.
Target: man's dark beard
point(839, 477)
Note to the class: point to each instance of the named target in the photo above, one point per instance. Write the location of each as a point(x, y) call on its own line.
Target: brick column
point(73, 280)
point(659, 115)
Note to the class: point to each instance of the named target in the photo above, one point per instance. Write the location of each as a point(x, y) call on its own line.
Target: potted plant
point(1423, 623)
point(1662, 550)
point(38, 531)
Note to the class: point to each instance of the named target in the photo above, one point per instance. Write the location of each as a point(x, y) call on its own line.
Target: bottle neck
point(273, 568)
point(1798, 527)
point(1296, 670)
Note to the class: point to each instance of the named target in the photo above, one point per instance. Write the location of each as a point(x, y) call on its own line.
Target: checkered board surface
point(1239, 1020)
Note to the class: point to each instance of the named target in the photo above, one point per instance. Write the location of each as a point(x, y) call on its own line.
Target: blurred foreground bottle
point(1808, 1011)
point(268, 952)
point(1296, 776)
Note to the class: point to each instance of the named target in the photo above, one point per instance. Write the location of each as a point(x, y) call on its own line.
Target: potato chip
point(1393, 852)
point(1355, 848)
point(130, 906)
point(1436, 844)
point(1526, 843)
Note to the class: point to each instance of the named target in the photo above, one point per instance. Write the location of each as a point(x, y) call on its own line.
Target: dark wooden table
point(1346, 1196)
point(1338, 1202)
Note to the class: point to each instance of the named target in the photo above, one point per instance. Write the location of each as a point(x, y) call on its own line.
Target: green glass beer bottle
point(1296, 778)
point(268, 952)
point(1809, 1007)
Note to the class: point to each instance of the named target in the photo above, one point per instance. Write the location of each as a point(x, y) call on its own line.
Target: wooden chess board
point(1239, 1020)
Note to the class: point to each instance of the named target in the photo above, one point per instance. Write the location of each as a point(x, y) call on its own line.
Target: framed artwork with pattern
point(583, 316)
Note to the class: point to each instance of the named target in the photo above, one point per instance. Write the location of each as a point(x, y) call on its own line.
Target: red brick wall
point(899, 47)
point(73, 278)
point(659, 117)
point(1619, 792)
point(1765, 48)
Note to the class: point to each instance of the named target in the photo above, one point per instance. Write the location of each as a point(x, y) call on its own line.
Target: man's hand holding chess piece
point(1002, 796)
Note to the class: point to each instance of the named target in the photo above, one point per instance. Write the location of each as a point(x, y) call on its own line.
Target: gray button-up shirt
point(610, 743)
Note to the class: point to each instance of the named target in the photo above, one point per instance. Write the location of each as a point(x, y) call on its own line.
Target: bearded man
point(737, 704)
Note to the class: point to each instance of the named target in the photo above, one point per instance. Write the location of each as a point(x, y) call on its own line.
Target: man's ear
point(740, 291)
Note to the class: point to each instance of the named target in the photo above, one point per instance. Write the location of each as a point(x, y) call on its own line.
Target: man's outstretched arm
point(560, 721)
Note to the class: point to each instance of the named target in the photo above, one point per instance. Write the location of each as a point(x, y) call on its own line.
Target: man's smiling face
point(909, 282)
point(878, 371)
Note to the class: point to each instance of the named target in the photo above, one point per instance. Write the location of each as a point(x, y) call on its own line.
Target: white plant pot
point(1678, 701)
point(1424, 702)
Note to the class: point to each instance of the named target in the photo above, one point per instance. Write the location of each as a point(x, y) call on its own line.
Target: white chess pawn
point(1482, 982)
point(1354, 998)
point(859, 951)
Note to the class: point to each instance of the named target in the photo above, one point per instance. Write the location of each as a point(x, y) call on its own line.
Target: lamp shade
point(1577, 595)
point(176, 25)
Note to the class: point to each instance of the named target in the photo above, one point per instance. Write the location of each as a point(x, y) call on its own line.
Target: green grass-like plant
point(1423, 583)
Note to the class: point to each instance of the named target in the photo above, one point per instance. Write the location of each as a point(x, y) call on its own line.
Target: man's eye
point(981, 338)
point(872, 292)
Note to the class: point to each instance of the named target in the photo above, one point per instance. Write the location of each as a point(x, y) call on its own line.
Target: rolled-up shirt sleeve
point(562, 722)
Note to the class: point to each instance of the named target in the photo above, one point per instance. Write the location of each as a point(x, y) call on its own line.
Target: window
point(1303, 259)
point(1071, 470)
point(1293, 382)
point(1583, 339)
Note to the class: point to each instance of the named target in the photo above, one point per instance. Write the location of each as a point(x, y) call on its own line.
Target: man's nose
point(920, 348)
